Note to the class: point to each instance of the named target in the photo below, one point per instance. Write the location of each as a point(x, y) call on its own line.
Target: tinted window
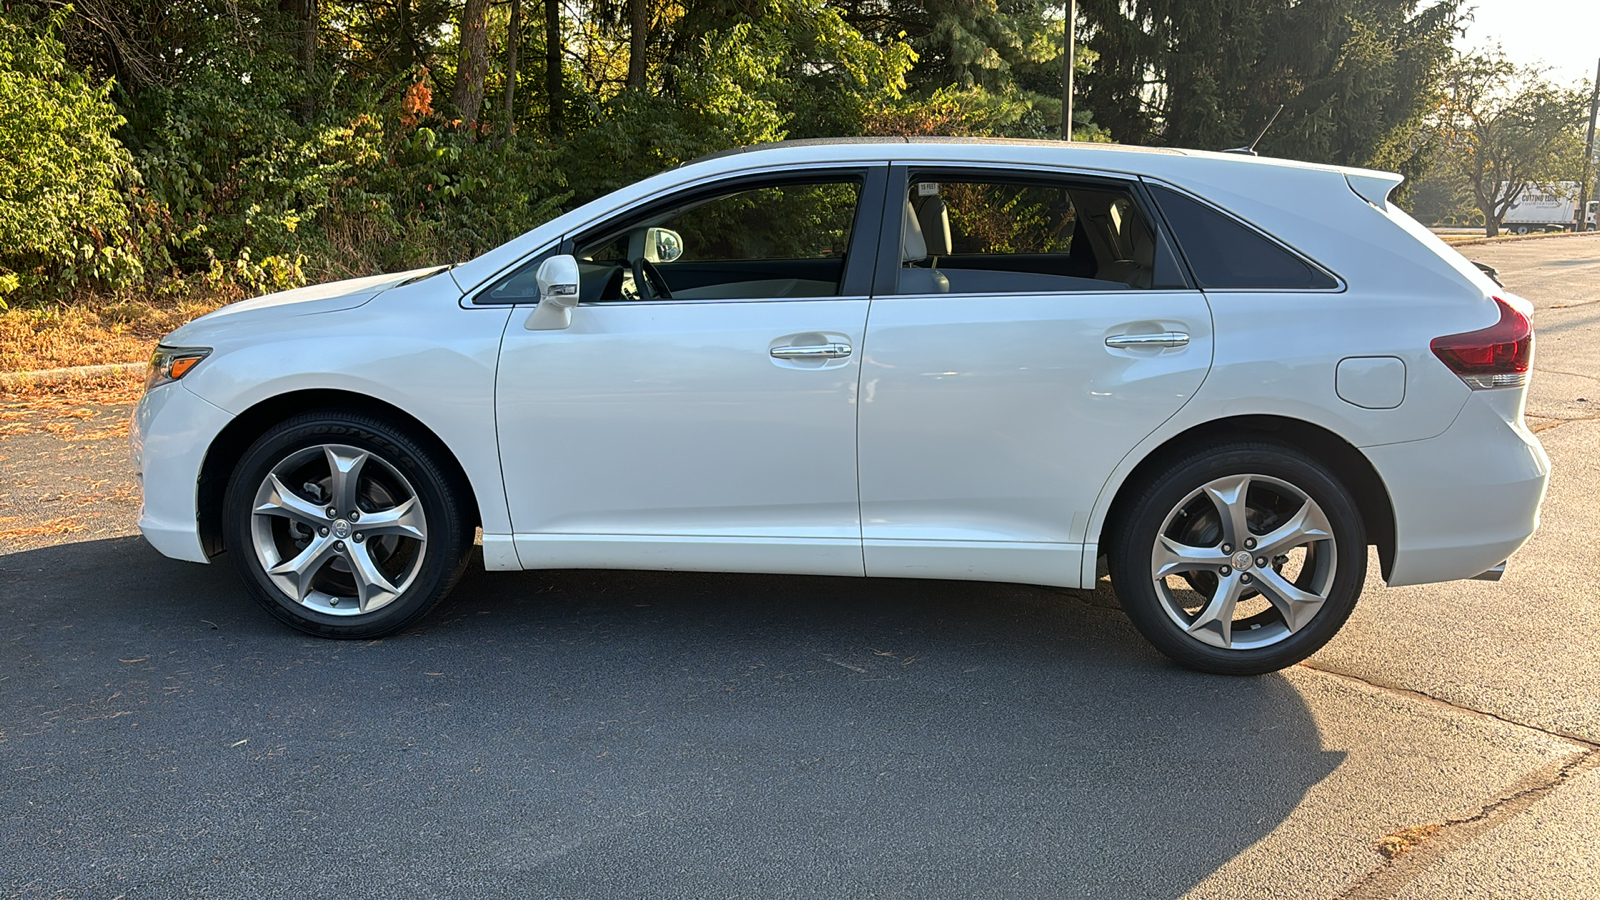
point(779, 241)
point(770, 242)
point(1224, 254)
point(1016, 235)
point(797, 221)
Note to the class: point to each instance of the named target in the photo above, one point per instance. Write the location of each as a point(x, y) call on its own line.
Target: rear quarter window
point(1225, 254)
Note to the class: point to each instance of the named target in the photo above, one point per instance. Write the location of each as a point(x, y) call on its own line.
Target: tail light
point(1499, 356)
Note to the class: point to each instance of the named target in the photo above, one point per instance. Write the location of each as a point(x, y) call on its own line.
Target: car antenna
point(1250, 148)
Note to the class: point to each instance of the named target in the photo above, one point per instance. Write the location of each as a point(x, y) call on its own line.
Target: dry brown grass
point(65, 400)
point(54, 526)
point(94, 330)
point(1406, 840)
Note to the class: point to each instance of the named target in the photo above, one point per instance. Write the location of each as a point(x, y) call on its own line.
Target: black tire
point(396, 478)
point(1180, 612)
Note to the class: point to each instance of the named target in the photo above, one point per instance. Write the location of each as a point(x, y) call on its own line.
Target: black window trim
point(1340, 285)
point(886, 280)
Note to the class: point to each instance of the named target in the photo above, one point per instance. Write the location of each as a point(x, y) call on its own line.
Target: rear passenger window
point(967, 235)
point(1223, 254)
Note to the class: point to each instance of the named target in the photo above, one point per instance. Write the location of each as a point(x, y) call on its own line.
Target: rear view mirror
point(558, 293)
point(662, 245)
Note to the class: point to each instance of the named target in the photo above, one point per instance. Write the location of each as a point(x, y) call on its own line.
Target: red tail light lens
point(1494, 357)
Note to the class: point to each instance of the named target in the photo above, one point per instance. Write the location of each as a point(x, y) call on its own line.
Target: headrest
point(912, 246)
point(935, 220)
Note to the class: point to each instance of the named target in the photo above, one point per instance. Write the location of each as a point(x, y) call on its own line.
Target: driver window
point(774, 242)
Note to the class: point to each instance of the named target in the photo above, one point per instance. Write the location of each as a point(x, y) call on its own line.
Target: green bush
point(65, 180)
point(223, 157)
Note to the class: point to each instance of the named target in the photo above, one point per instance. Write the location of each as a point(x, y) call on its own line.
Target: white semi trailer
point(1541, 209)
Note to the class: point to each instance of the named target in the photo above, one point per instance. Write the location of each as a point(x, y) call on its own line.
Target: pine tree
point(1356, 77)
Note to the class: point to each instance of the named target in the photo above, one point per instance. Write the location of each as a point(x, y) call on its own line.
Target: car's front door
point(1032, 330)
point(699, 411)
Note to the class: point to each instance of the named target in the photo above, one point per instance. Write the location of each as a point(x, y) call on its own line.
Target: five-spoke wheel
point(1241, 559)
point(343, 525)
point(348, 540)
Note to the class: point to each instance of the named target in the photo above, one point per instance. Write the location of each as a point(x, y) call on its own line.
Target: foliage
point(1356, 77)
point(1505, 130)
point(236, 173)
point(252, 145)
point(1442, 197)
point(65, 181)
point(725, 98)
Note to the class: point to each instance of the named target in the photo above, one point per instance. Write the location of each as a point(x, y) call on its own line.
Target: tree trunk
point(638, 34)
point(308, 36)
point(553, 80)
point(513, 40)
point(467, 96)
point(1487, 204)
point(403, 11)
point(306, 17)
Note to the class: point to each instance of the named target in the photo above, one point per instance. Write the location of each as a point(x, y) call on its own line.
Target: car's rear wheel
point(1240, 559)
point(344, 525)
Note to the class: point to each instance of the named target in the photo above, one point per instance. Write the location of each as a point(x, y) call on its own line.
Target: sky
point(1561, 34)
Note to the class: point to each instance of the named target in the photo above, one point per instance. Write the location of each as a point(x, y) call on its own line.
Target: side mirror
point(662, 245)
point(558, 294)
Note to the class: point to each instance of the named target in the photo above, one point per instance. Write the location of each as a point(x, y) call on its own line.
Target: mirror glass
point(662, 245)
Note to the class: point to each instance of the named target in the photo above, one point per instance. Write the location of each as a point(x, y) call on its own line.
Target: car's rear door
point(716, 429)
point(1011, 364)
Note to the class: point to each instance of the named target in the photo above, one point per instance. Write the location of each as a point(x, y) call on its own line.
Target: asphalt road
point(611, 735)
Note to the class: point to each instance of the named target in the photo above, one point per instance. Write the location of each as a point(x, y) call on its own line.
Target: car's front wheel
point(1240, 559)
point(344, 525)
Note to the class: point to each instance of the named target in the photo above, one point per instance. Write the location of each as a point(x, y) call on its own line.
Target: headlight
point(171, 363)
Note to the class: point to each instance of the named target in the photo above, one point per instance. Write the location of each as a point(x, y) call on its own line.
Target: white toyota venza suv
point(1003, 361)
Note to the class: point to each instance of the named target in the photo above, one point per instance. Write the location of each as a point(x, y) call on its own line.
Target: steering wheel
point(649, 281)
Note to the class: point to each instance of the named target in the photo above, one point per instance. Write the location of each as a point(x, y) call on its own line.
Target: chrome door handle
point(1140, 341)
point(816, 351)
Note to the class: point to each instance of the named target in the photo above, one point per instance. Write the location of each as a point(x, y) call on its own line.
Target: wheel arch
point(231, 443)
point(1348, 464)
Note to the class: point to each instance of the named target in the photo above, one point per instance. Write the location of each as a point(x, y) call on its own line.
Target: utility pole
point(1588, 158)
point(1066, 71)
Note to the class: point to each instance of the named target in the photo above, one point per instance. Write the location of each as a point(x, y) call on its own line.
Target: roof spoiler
point(1374, 187)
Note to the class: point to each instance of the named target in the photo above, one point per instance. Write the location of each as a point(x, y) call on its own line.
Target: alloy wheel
point(1244, 562)
point(338, 529)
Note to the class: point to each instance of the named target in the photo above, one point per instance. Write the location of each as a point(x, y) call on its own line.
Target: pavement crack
point(1582, 742)
point(1538, 369)
point(1557, 421)
point(1436, 841)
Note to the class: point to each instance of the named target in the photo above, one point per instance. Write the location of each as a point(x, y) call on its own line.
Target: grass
point(1405, 840)
point(65, 398)
point(95, 330)
point(52, 527)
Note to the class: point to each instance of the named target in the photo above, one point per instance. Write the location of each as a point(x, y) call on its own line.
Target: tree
point(554, 79)
point(513, 44)
point(963, 43)
point(306, 17)
point(638, 40)
point(1505, 129)
point(1356, 77)
point(467, 96)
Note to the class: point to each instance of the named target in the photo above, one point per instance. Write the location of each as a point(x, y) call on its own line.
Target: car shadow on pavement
point(620, 734)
